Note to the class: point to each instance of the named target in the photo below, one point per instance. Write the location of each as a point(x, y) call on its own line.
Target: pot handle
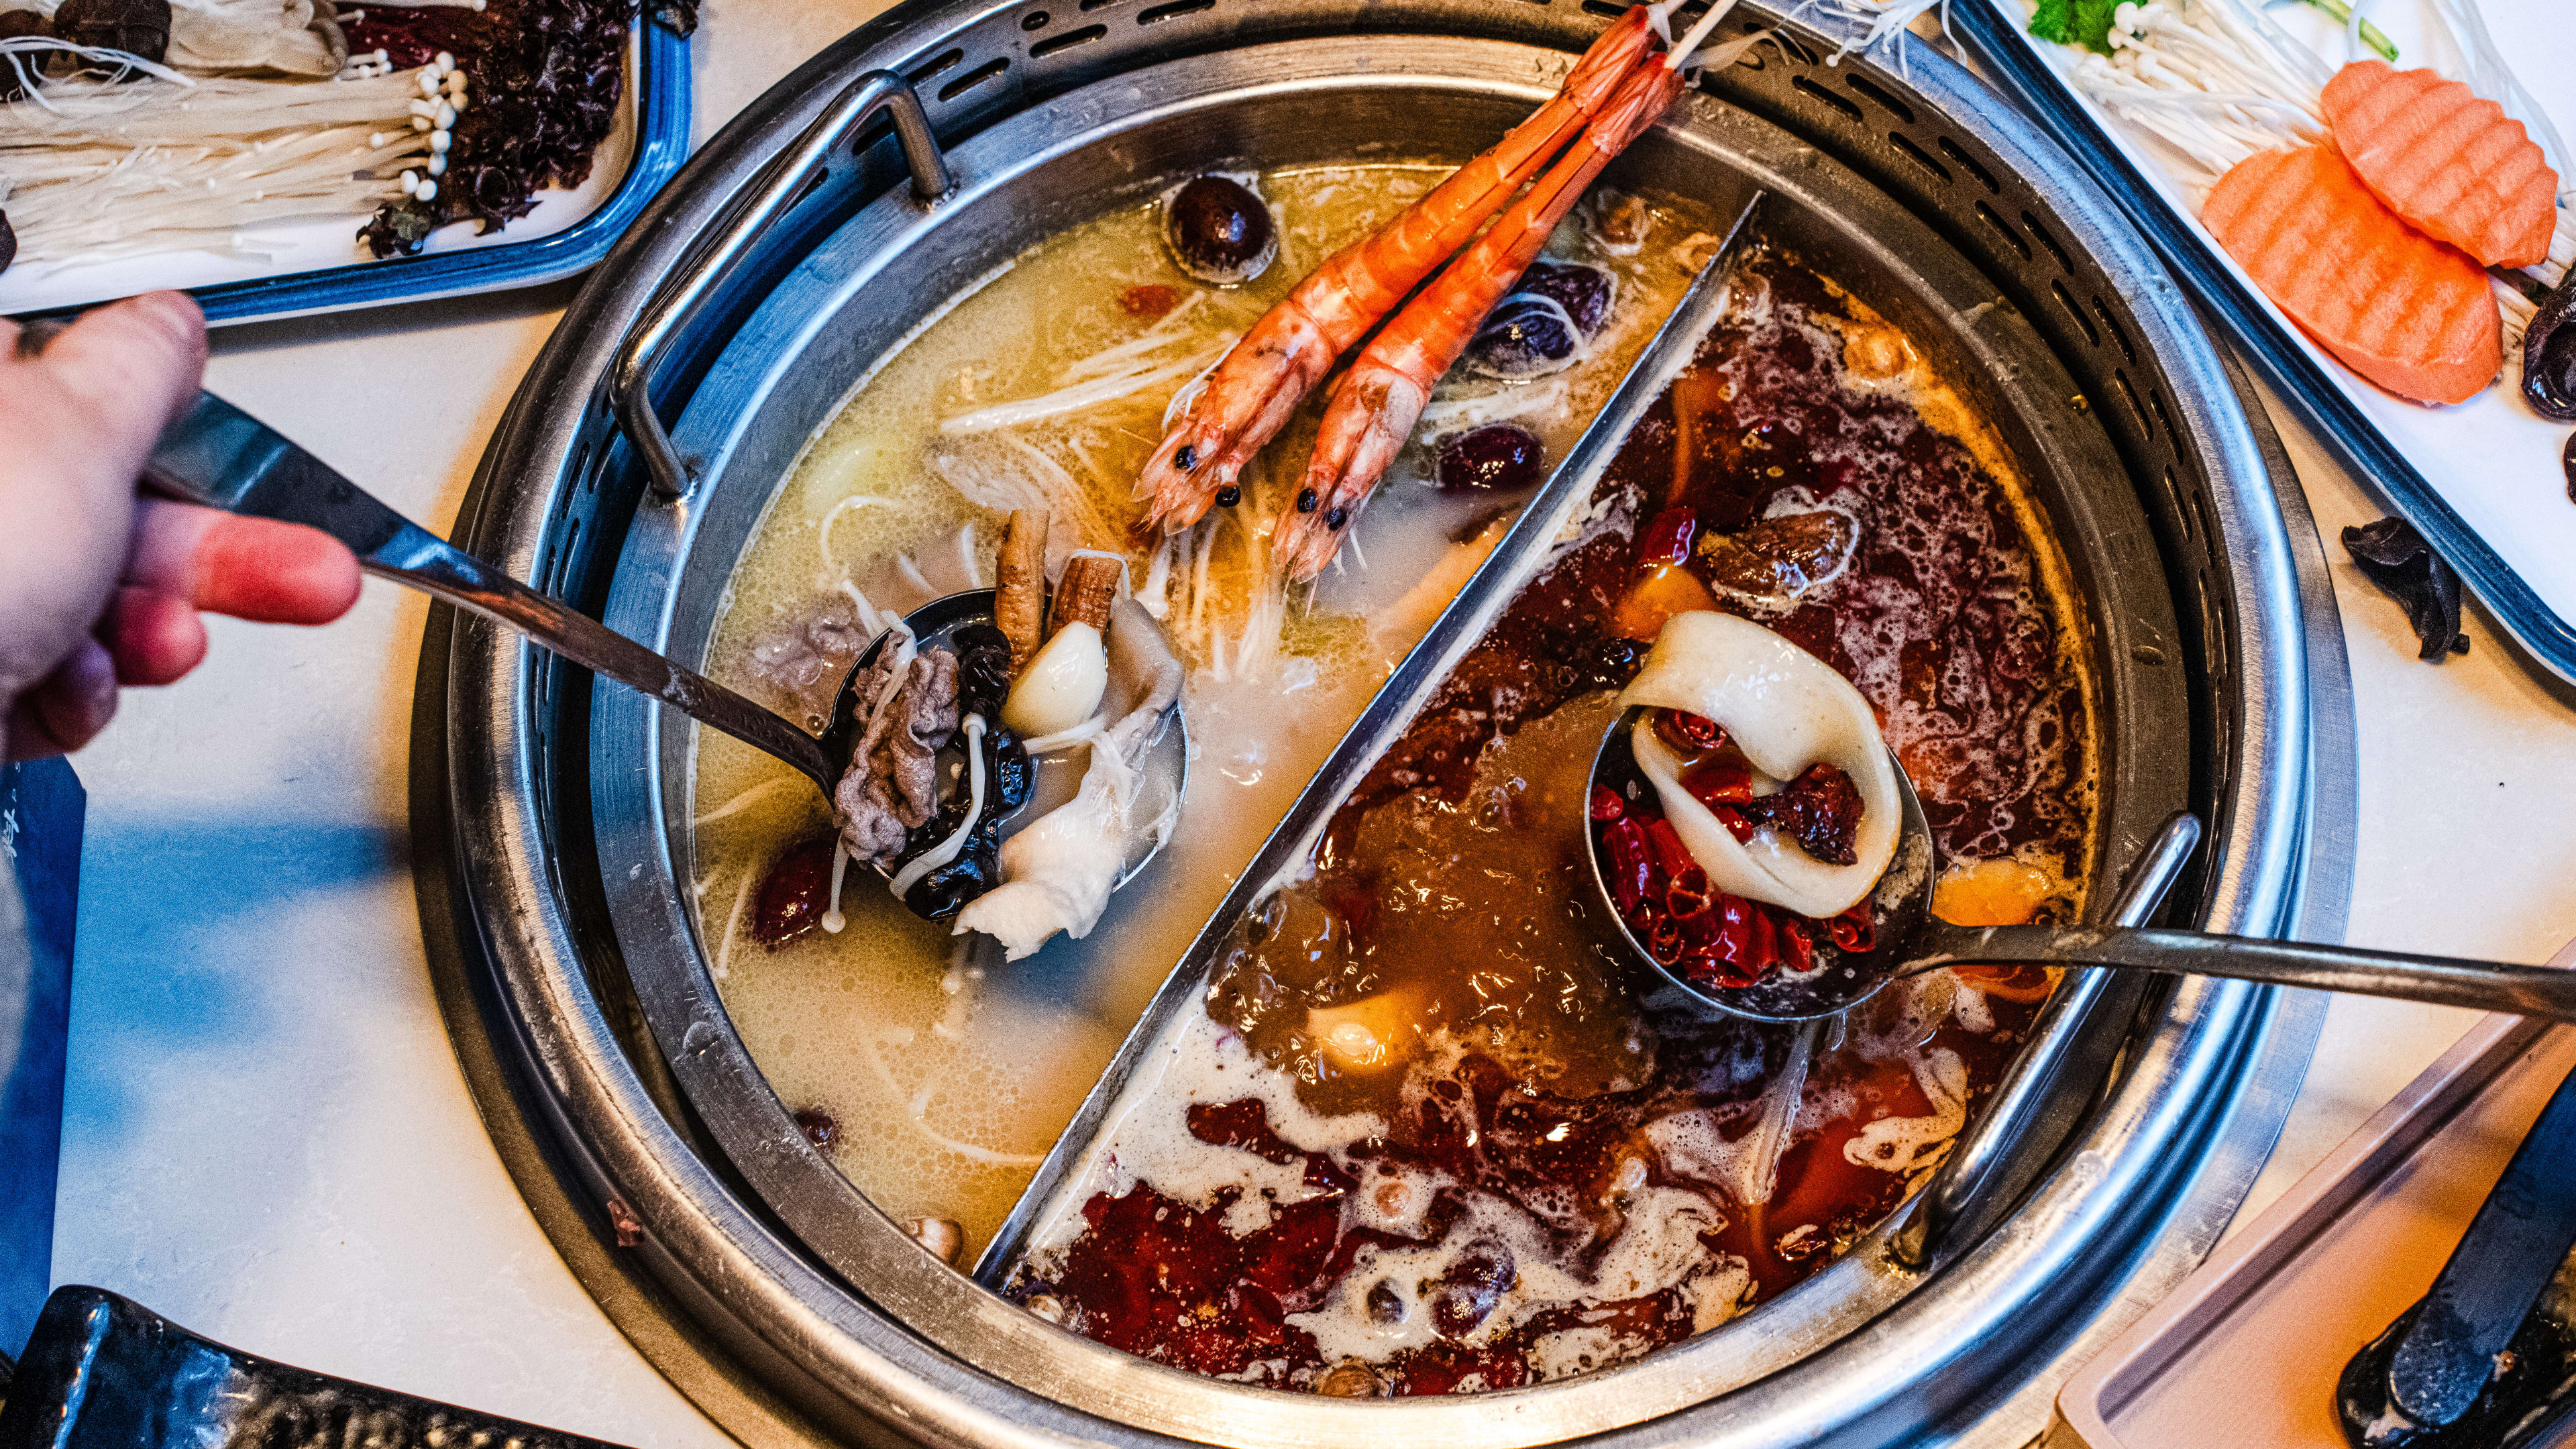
point(779, 188)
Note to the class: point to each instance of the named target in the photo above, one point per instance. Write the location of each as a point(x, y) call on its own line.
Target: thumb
point(130, 368)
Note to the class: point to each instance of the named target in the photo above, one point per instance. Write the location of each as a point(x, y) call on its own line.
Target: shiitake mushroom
point(1219, 231)
point(2549, 354)
point(15, 72)
point(137, 27)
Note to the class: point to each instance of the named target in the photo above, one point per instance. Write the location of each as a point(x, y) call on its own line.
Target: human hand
point(98, 587)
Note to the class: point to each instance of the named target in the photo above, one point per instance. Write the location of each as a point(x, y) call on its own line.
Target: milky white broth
point(947, 1072)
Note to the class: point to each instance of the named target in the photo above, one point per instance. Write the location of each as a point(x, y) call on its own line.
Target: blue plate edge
point(662, 124)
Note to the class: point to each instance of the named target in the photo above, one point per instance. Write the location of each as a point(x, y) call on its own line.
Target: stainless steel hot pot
point(737, 314)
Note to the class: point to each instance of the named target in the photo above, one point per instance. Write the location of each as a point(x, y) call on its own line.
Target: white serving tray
point(2494, 496)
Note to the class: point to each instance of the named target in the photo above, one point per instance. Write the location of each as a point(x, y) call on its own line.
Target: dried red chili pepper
point(1735, 931)
point(1687, 894)
point(1671, 856)
point(1664, 940)
point(1699, 930)
point(1719, 783)
point(1797, 945)
point(1690, 733)
point(1632, 863)
point(1766, 943)
point(1606, 804)
point(1667, 540)
point(1854, 930)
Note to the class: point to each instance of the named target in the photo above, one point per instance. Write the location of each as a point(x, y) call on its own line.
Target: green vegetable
point(2075, 22)
point(2088, 23)
point(2371, 35)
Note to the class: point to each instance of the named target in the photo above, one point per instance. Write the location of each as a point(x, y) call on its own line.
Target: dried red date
point(1820, 810)
point(1472, 1288)
point(795, 894)
point(1496, 458)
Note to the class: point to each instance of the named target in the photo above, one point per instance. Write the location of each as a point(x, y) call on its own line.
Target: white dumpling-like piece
point(1787, 710)
point(1062, 685)
point(1057, 872)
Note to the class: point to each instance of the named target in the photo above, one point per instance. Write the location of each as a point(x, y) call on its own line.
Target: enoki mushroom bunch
point(131, 156)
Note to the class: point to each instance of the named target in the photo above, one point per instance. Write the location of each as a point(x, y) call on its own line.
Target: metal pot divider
point(779, 1297)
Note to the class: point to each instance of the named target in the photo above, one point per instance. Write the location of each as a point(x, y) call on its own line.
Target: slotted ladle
point(222, 457)
point(1910, 940)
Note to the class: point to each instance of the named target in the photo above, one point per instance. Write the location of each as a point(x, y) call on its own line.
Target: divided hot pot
point(694, 368)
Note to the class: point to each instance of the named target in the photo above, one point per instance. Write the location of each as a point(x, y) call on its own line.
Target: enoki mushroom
point(92, 168)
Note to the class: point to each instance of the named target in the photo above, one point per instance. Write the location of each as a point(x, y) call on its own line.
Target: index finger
point(250, 568)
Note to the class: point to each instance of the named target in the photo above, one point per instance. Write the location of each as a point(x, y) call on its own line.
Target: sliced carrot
point(2448, 161)
point(2400, 308)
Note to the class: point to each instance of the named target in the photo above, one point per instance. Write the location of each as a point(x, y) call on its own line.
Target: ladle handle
point(222, 457)
point(2051, 1080)
point(780, 189)
point(2440, 980)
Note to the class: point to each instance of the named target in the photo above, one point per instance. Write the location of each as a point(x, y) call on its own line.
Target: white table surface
point(267, 1136)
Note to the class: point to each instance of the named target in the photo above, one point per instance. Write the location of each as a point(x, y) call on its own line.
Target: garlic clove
point(1062, 685)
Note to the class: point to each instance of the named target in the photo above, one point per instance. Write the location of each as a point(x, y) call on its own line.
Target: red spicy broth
point(1431, 1137)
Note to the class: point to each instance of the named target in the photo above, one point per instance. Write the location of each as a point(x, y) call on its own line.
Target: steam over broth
point(936, 1074)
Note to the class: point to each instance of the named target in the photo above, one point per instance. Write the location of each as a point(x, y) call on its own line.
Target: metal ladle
point(1910, 940)
point(219, 456)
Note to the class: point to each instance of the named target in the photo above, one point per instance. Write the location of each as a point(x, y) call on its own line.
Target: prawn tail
point(1380, 270)
point(1386, 389)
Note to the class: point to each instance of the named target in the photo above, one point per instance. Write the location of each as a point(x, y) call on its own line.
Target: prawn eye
point(1306, 501)
point(1228, 496)
point(1187, 458)
point(1337, 518)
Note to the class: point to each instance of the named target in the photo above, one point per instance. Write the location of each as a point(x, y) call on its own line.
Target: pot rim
point(504, 765)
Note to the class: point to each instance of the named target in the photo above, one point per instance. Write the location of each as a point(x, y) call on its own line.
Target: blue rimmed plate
point(317, 266)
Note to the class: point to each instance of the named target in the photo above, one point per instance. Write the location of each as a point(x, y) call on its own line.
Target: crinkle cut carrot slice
point(2400, 308)
point(2447, 160)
